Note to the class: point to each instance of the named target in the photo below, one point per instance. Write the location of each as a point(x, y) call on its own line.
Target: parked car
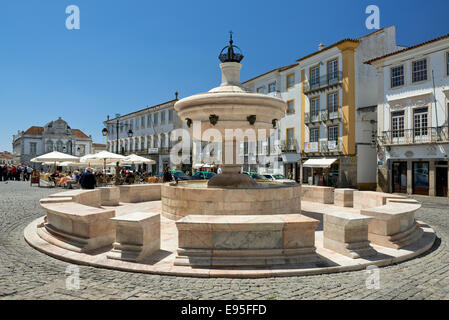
point(255, 175)
point(179, 175)
point(278, 178)
point(202, 175)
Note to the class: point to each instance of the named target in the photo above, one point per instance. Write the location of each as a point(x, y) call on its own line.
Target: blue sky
point(129, 54)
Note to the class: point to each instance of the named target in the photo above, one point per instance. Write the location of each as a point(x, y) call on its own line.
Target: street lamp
point(118, 126)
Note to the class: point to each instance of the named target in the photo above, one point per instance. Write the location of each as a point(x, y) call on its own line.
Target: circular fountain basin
point(196, 198)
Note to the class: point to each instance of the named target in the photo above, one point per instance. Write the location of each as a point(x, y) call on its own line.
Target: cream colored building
point(338, 107)
point(413, 117)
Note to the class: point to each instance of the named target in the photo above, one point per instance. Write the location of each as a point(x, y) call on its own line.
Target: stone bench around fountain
point(77, 227)
point(372, 199)
point(90, 198)
point(140, 192)
point(110, 196)
point(317, 194)
point(347, 234)
point(137, 235)
point(244, 241)
point(344, 197)
point(195, 198)
point(394, 224)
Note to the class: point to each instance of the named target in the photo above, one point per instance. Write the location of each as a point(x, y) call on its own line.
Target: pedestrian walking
point(167, 175)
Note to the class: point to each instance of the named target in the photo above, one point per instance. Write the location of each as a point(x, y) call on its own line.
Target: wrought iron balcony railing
point(290, 145)
point(415, 136)
point(323, 115)
point(328, 80)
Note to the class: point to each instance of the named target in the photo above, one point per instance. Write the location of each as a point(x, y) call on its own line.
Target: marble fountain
point(231, 225)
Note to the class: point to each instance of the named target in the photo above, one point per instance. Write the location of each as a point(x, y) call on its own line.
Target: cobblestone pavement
point(28, 274)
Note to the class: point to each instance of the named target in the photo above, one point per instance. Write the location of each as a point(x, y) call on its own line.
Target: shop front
point(321, 172)
point(291, 166)
point(399, 177)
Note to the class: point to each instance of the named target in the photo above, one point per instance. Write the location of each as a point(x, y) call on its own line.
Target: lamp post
point(105, 132)
point(118, 126)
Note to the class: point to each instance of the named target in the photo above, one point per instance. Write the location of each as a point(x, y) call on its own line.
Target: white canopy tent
point(54, 158)
point(319, 163)
point(101, 158)
point(135, 159)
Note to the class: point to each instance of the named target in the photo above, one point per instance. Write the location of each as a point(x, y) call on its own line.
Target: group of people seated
point(67, 180)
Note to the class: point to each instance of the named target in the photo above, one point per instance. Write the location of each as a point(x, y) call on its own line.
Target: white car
point(278, 178)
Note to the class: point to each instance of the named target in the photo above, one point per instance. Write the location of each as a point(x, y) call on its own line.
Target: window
point(315, 76)
point(314, 108)
point(332, 71)
point(136, 145)
point(149, 121)
point(155, 117)
point(447, 63)
point(332, 133)
point(332, 105)
point(33, 146)
point(314, 134)
point(272, 87)
point(82, 150)
point(170, 115)
point(137, 123)
point(419, 70)
point(290, 80)
point(162, 116)
point(142, 122)
point(261, 90)
point(290, 106)
point(290, 138)
point(59, 146)
point(397, 123)
point(131, 124)
point(420, 122)
point(397, 76)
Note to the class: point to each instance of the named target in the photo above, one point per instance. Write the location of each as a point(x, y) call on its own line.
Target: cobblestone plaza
point(26, 273)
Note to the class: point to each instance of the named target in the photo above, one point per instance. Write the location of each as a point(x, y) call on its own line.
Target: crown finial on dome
point(231, 55)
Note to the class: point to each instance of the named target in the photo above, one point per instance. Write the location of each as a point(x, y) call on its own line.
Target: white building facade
point(151, 129)
point(54, 136)
point(283, 83)
point(413, 114)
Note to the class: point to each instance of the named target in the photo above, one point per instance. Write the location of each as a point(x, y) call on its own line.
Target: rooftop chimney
point(320, 46)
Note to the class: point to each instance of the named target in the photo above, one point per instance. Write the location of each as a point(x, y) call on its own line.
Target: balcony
point(330, 80)
point(290, 145)
point(323, 146)
point(415, 136)
point(323, 116)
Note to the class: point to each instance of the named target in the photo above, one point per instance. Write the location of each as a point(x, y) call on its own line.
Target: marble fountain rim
point(168, 269)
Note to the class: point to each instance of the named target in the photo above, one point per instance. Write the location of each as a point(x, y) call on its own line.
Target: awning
point(290, 157)
point(319, 163)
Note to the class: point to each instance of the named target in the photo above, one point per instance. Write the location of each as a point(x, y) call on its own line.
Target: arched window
point(69, 147)
point(49, 146)
point(59, 146)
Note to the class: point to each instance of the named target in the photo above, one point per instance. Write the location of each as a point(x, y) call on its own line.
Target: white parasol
point(135, 159)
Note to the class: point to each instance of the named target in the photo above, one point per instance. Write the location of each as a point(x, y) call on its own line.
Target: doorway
point(441, 182)
point(399, 177)
point(421, 178)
